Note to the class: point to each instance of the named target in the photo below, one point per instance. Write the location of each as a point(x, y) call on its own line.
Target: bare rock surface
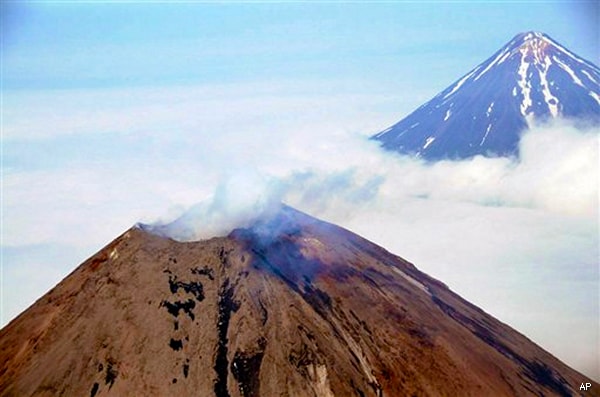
point(289, 307)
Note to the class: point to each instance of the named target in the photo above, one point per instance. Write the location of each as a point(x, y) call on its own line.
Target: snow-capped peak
point(530, 79)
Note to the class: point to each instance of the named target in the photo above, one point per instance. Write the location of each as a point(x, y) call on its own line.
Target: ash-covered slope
point(530, 80)
point(289, 307)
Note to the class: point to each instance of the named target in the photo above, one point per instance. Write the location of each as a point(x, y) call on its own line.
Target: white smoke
point(238, 201)
point(338, 176)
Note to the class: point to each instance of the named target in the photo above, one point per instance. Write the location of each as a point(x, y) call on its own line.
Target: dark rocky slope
point(291, 307)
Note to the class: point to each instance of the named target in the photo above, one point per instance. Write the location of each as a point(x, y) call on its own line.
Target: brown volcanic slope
point(292, 307)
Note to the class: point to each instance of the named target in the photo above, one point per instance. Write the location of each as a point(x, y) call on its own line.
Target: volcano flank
point(290, 306)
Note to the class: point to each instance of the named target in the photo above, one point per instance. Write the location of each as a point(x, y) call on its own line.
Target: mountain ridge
point(532, 79)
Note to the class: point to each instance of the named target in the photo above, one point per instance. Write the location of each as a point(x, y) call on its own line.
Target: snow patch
point(525, 86)
point(595, 96)
point(448, 113)
point(460, 83)
point(550, 99)
point(504, 58)
point(589, 76)
point(487, 131)
point(489, 109)
point(569, 53)
point(570, 71)
point(384, 132)
point(489, 66)
point(428, 142)
point(528, 36)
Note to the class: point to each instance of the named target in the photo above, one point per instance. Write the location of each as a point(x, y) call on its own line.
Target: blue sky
point(114, 113)
point(58, 45)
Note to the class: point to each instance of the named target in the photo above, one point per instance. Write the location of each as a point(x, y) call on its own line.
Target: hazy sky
point(118, 113)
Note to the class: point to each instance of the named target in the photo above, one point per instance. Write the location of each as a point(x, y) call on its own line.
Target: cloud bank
point(338, 175)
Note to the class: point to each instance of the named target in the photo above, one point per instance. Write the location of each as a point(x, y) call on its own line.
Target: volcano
point(531, 80)
point(289, 306)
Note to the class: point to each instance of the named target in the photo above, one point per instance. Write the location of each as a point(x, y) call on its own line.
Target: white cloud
point(235, 110)
point(519, 239)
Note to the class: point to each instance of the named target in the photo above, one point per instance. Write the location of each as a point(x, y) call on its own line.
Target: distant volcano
point(289, 306)
point(530, 80)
